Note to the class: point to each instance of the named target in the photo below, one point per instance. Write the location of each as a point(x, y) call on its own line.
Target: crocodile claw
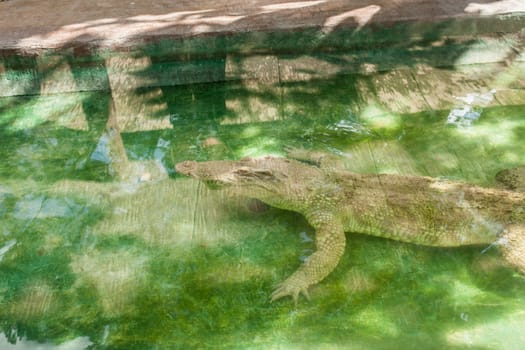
point(287, 288)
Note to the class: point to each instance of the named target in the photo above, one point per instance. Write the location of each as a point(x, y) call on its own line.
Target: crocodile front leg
point(330, 244)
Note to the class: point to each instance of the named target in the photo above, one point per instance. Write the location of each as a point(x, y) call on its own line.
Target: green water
point(104, 246)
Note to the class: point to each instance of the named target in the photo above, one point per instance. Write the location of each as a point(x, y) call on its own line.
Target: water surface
point(103, 245)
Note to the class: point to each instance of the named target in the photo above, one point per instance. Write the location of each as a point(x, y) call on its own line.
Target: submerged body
point(424, 210)
point(413, 209)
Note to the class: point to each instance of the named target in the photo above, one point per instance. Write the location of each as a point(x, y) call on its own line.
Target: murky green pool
point(104, 246)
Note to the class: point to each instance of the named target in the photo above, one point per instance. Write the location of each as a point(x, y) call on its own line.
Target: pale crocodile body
point(413, 209)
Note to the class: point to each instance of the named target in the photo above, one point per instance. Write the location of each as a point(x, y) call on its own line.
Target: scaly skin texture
point(413, 209)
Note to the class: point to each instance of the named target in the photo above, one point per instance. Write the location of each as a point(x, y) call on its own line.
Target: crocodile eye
point(264, 172)
point(242, 171)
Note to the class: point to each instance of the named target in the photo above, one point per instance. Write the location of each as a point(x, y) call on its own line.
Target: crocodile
point(408, 208)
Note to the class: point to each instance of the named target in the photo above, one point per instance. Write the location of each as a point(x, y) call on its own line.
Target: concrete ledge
point(32, 25)
point(265, 46)
point(83, 46)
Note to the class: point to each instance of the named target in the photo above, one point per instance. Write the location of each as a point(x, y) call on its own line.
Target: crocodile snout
point(186, 168)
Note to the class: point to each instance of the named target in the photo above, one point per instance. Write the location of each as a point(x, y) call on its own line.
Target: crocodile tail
point(512, 244)
point(512, 179)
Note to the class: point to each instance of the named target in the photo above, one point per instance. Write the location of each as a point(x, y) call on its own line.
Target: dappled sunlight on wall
point(361, 16)
point(125, 22)
point(495, 7)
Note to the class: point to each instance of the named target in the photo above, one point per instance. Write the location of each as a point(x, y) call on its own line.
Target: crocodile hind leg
point(330, 244)
point(512, 179)
point(512, 244)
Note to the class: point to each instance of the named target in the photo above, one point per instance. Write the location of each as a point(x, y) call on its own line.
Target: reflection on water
point(469, 111)
point(22, 344)
point(103, 244)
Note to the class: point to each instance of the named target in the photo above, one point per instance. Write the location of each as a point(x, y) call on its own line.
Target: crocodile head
point(220, 173)
point(270, 179)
